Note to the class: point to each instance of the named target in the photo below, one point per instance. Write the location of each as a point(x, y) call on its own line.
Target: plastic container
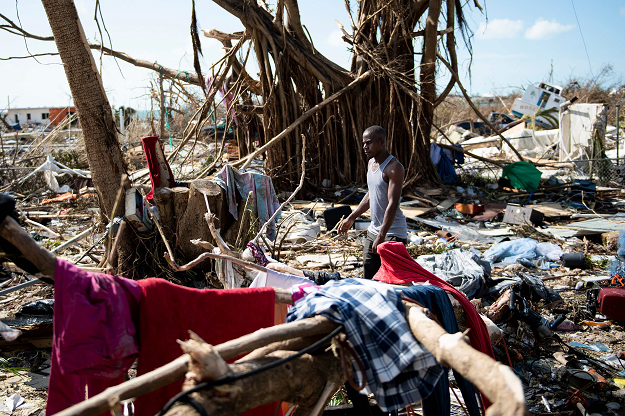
point(574, 260)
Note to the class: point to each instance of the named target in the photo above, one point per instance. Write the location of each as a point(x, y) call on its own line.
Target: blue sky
point(514, 44)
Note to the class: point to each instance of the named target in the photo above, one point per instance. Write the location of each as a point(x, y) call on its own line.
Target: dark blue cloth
point(436, 300)
point(459, 156)
point(446, 170)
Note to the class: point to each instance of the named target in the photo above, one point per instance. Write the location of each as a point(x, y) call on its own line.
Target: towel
point(169, 311)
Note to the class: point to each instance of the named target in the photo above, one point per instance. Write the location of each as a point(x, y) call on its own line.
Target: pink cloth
point(94, 334)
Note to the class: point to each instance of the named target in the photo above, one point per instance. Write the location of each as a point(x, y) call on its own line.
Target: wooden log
point(497, 381)
point(301, 381)
point(164, 201)
point(180, 200)
point(294, 344)
point(45, 261)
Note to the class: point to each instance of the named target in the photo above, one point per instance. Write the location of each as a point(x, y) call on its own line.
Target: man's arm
point(395, 175)
point(347, 223)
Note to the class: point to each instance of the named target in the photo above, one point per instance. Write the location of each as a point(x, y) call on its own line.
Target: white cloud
point(545, 29)
point(499, 29)
point(336, 39)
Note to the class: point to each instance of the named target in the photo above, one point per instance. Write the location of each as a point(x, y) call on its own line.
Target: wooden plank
point(551, 209)
point(416, 211)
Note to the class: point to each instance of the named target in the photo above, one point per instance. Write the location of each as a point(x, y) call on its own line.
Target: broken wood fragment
point(44, 260)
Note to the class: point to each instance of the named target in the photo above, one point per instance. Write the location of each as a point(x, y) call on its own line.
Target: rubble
point(525, 221)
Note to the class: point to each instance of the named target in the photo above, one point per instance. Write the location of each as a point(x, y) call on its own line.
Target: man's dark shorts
point(371, 261)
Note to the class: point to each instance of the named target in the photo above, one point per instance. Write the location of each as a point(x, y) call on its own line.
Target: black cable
point(231, 379)
point(193, 403)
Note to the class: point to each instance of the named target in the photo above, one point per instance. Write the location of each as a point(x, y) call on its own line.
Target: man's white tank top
point(378, 201)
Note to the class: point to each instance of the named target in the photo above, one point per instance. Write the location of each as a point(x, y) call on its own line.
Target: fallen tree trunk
point(301, 381)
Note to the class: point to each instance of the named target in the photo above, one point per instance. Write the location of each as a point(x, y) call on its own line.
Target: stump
point(191, 225)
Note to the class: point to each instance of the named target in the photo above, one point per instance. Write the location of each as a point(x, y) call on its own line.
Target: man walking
point(385, 176)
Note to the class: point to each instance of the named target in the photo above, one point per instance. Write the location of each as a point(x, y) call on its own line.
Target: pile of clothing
point(103, 323)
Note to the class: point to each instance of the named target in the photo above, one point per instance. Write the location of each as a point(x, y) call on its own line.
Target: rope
point(507, 354)
point(457, 399)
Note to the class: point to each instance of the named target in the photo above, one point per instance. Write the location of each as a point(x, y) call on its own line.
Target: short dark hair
point(376, 131)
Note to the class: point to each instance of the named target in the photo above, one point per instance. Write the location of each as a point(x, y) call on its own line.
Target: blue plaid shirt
point(398, 370)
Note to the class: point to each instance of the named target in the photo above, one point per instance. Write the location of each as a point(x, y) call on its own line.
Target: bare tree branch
point(11, 27)
point(29, 56)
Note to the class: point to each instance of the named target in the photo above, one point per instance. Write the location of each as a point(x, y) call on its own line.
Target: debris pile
point(527, 225)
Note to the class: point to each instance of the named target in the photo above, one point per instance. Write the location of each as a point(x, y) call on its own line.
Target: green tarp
point(522, 175)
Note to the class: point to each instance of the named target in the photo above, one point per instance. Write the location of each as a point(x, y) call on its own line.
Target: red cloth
point(160, 172)
point(93, 340)
point(399, 268)
point(169, 311)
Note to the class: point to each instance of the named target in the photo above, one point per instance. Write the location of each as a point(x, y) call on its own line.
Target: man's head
point(374, 141)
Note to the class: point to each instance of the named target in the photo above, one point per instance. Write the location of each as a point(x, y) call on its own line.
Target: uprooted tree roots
point(295, 78)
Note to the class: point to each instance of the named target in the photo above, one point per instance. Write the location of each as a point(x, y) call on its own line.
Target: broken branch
point(495, 380)
point(45, 261)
